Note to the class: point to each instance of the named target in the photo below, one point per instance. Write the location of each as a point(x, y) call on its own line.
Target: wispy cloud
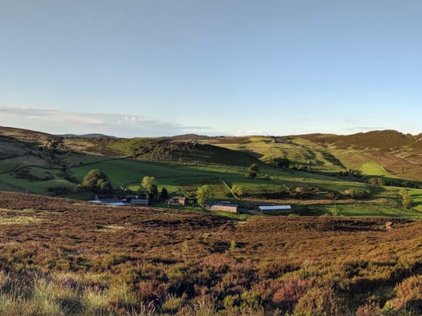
point(62, 122)
point(127, 125)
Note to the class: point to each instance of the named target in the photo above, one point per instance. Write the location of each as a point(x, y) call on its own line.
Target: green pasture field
point(205, 167)
point(54, 178)
point(364, 210)
point(416, 196)
point(374, 169)
point(298, 151)
point(130, 173)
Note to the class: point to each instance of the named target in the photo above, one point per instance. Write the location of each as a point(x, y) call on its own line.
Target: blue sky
point(235, 67)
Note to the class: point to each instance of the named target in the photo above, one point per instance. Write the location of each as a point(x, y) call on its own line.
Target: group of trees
point(351, 173)
point(377, 181)
point(253, 171)
point(282, 162)
point(97, 181)
point(150, 185)
point(204, 194)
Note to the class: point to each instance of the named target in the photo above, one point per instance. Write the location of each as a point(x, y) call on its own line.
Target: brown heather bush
point(273, 270)
point(266, 290)
point(321, 301)
point(72, 261)
point(290, 292)
point(151, 291)
point(172, 304)
point(369, 310)
point(219, 261)
point(408, 295)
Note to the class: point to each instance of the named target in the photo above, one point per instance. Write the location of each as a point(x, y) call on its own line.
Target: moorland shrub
point(68, 264)
point(408, 295)
point(321, 301)
point(357, 193)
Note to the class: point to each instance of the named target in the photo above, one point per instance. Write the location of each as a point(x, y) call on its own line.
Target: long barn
point(225, 207)
point(274, 208)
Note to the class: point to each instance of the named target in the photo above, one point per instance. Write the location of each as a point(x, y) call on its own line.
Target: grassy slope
point(387, 152)
point(373, 169)
point(187, 178)
point(416, 196)
point(365, 209)
point(201, 165)
point(298, 150)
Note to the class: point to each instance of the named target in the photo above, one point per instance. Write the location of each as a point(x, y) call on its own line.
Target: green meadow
point(182, 165)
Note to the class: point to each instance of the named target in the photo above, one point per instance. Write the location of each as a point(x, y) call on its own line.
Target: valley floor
point(63, 257)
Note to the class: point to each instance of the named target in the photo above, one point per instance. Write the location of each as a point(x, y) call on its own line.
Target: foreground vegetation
point(63, 257)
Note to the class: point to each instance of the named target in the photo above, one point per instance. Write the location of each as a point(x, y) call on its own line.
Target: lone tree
point(97, 181)
point(253, 170)
point(282, 163)
point(204, 195)
point(406, 199)
point(238, 190)
point(148, 182)
point(164, 194)
point(376, 181)
point(150, 186)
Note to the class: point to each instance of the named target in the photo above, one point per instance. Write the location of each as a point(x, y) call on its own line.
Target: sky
point(216, 67)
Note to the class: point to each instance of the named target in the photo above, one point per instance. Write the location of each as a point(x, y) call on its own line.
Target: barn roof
point(224, 204)
point(274, 207)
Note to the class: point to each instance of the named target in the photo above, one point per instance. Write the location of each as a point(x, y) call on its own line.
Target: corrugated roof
point(225, 204)
point(274, 207)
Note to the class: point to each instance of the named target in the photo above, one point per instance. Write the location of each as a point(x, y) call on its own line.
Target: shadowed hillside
point(169, 149)
point(24, 135)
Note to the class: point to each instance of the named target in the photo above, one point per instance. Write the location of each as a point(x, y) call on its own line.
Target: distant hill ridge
point(386, 153)
point(24, 134)
point(379, 138)
point(386, 139)
point(88, 136)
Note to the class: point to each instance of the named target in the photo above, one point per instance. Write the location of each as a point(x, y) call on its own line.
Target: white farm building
point(274, 208)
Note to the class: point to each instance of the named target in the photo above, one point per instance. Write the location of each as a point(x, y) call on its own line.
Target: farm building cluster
point(115, 201)
point(229, 207)
point(138, 200)
point(215, 206)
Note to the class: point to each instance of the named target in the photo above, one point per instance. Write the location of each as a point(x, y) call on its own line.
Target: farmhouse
point(178, 200)
point(274, 208)
point(224, 207)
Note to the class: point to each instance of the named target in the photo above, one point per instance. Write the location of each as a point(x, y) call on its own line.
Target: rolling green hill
point(299, 151)
point(379, 153)
point(318, 172)
point(390, 152)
